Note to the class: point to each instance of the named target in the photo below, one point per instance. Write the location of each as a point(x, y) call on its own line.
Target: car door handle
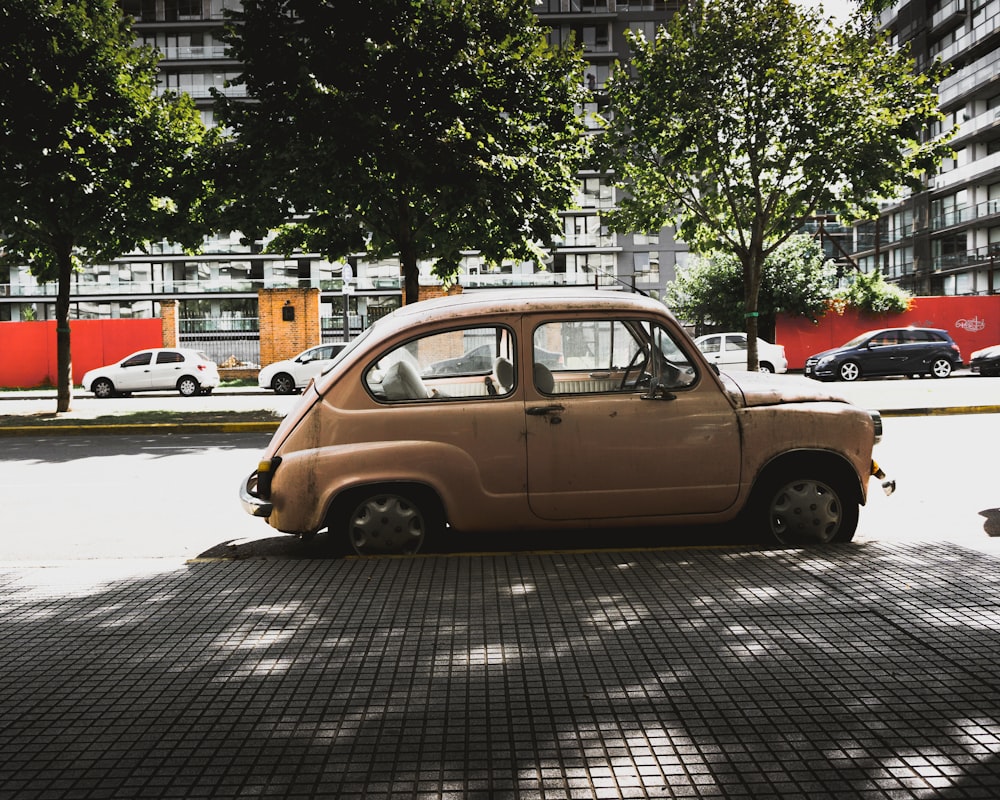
point(541, 411)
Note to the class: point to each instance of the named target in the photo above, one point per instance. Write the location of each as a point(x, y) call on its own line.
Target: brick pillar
point(436, 290)
point(169, 323)
point(289, 322)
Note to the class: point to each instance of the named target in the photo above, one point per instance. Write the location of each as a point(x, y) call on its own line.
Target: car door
point(311, 363)
point(614, 436)
point(134, 373)
point(734, 352)
point(167, 368)
point(884, 355)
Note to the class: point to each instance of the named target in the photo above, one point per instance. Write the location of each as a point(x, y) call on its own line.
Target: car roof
point(519, 301)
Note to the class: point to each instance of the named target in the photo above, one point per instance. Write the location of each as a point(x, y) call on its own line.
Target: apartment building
point(216, 291)
point(945, 239)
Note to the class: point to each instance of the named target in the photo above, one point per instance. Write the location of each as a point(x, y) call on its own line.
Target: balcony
point(950, 15)
point(967, 173)
point(967, 80)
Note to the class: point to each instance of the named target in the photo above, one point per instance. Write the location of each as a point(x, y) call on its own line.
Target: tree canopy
point(739, 121)
point(93, 163)
point(797, 279)
point(419, 128)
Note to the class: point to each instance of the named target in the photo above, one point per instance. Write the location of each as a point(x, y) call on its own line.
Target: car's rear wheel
point(766, 366)
point(392, 522)
point(103, 388)
point(805, 507)
point(188, 386)
point(849, 371)
point(940, 368)
point(283, 383)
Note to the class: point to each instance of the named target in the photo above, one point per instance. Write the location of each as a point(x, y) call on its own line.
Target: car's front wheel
point(805, 507)
point(393, 522)
point(849, 371)
point(940, 368)
point(766, 366)
point(188, 386)
point(283, 383)
point(103, 388)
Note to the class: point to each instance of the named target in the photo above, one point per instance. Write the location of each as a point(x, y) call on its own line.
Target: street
point(175, 496)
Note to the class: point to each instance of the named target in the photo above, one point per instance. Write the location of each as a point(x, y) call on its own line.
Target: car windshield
point(856, 340)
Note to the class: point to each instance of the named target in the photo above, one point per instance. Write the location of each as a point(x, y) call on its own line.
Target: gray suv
point(889, 351)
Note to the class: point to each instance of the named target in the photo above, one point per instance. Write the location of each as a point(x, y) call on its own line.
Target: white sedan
point(294, 374)
point(728, 351)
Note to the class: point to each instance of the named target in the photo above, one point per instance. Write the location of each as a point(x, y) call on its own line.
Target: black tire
point(766, 366)
point(283, 383)
point(103, 388)
point(188, 386)
point(940, 367)
point(849, 371)
point(804, 507)
point(390, 522)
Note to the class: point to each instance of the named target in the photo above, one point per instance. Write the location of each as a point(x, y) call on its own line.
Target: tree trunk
point(64, 360)
point(411, 273)
point(752, 272)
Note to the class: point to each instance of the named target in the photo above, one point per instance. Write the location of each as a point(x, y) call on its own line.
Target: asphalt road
point(175, 497)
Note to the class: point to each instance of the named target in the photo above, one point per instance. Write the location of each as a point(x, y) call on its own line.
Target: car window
point(469, 363)
point(917, 336)
point(885, 339)
point(607, 355)
point(138, 360)
point(169, 357)
point(710, 345)
point(736, 343)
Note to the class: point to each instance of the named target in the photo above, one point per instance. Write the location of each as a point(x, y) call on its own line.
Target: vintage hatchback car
point(888, 351)
point(190, 372)
point(634, 427)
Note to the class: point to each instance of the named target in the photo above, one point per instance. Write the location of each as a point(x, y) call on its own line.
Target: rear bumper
point(252, 504)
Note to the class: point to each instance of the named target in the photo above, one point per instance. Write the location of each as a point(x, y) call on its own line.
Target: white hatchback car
point(294, 374)
point(728, 351)
point(190, 372)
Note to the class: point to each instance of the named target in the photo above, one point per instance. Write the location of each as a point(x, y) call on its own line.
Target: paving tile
point(854, 671)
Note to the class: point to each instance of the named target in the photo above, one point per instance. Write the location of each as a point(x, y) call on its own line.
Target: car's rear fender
point(316, 478)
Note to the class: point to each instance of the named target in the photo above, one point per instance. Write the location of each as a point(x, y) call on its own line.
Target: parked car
point(889, 351)
point(293, 374)
point(728, 351)
point(479, 361)
point(986, 362)
point(634, 428)
point(190, 372)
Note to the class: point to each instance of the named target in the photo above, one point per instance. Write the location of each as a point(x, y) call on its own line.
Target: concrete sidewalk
point(856, 671)
point(960, 394)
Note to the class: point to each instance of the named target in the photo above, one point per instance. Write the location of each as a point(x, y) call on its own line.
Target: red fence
point(28, 349)
point(973, 322)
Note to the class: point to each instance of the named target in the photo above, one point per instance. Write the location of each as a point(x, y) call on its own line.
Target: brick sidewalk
point(855, 671)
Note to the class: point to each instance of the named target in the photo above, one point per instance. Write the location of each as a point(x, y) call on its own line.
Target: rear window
point(169, 357)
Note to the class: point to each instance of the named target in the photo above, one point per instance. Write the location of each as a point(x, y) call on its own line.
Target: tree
point(741, 120)
point(796, 279)
point(415, 128)
point(92, 162)
point(868, 292)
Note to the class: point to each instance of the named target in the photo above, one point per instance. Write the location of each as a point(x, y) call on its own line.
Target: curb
point(149, 428)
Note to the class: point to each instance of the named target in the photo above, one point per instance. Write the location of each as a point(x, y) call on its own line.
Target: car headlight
point(824, 361)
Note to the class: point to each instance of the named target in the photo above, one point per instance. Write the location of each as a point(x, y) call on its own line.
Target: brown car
point(625, 423)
